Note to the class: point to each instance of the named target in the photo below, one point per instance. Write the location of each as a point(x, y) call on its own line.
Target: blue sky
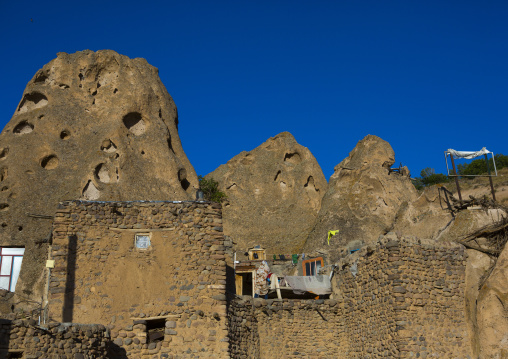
point(423, 75)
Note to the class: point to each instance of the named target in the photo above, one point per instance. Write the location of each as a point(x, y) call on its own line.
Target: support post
point(490, 178)
point(456, 177)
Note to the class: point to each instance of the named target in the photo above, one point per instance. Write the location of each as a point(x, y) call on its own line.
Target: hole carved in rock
point(49, 162)
point(90, 192)
point(134, 123)
point(4, 152)
point(182, 177)
point(65, 135)
point(293, 157)
point(32, 101)
point(23, 128)
point(108, 146)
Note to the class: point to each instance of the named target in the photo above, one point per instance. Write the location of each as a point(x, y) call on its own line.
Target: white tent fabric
point(318, 285)
point(468, 155)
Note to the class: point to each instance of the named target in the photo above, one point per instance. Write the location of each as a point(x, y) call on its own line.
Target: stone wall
point(400, 298)
point(405, 297)
point(24, 339)
point(289, 328)
point(177, 284)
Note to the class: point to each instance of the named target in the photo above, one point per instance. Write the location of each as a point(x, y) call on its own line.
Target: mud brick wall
point(288, 329)
point(100, 277)
point(404, 298)
point(56, 341)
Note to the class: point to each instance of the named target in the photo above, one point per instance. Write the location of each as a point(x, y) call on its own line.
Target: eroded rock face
point(492, 312)
point(90, 125)
point(363, 198)
point(274, 194)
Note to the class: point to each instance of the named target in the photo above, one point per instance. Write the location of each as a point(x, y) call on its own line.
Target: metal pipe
point(456, 178)
point(490, 178)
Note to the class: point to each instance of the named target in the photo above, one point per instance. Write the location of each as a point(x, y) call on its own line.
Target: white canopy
point(468, 154)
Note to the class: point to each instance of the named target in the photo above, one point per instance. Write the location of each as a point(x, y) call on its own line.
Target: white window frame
point(142, 235)
point(8, 256)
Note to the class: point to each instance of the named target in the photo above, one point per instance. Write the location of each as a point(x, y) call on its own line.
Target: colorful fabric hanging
point(331, 234)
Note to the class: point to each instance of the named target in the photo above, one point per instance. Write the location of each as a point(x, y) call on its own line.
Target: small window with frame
point(142, 241)
point(311, 267)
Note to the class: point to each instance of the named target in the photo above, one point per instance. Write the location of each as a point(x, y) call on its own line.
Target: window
point(155, 330)
point(142, 241)
point(312, 266)
point(10, 265)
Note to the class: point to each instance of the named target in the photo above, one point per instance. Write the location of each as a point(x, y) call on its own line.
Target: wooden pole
point(490, 178)
point(456, 177)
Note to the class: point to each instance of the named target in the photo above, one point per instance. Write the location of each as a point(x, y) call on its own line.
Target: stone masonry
point(25, 339)
point(177, 284)
point(400, 298)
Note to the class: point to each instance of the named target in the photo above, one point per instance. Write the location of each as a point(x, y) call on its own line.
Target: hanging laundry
point(331, 234)
point(294, 257)
point(261, 286)
point(274, 257)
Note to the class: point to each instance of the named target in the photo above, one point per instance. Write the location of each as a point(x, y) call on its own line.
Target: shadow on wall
point(116, 352)
point(70, 282)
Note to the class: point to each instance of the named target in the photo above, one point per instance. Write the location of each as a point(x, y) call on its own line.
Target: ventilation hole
point(40, 77)
point(182, 177)
point(108, 146)
point(20, 228)
point(65, 135)
point(90, 192)
point(142, 152)
point(98, 84)
point(4, 207)
point(81, 77)
point(134, 123)
point(4, 153)
point(64, 86)
point(102, 173)
point(32, 101)
point(293, 157)
point(160, 113)
point(23, 128)
point(277, 175)
point(94, 93)
point(115, 90)
point(3, 174)
point(49, 162)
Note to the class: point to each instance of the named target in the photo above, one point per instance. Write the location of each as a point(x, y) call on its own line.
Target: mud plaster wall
point(56, 341)
point(405, 299)
point(100, 277)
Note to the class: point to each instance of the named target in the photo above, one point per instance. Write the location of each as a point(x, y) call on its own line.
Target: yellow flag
point(331, 234)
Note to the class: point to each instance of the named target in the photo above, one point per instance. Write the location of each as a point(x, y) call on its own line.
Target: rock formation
point(363, 198)
point(93, 126)
point(491, 316)
point(274, 194)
